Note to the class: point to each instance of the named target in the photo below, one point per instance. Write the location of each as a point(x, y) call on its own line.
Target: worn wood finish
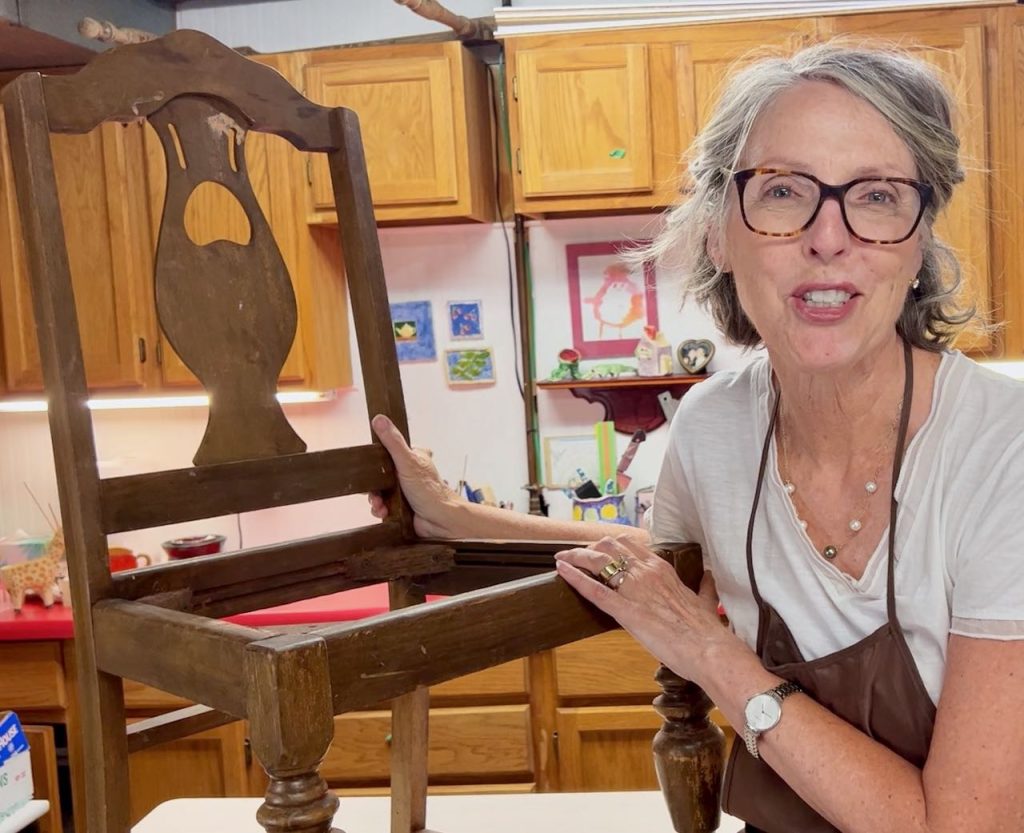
point(337, 560)
point(393, 653)
point(103, 92)
point(174, 725)
point(100, 695)
point(689, 755)
point(208, 672)
point(409, 730)
point(228, 309)
point(360, 248)
point(291, 725)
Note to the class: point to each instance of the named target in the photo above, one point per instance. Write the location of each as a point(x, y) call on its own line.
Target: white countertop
point(25, 816)
point(624, 812)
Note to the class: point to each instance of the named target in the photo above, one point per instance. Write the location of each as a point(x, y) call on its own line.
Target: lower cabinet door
point(208, 764)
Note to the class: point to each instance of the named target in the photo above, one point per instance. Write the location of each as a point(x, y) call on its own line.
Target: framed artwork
point(469, 366)
point(563, 455)
point(465, 319)
point(414, 331)
point(610, 301)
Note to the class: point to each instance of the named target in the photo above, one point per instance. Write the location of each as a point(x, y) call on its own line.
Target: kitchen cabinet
point(111, 184)
point(425, 117)
point(605, 721)
point(600, 120)
point(101, 194)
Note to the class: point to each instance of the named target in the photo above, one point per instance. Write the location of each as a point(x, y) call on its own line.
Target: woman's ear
point(716, 249)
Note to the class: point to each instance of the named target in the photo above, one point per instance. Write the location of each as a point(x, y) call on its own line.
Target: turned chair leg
point(689, 753)
point(292, 724)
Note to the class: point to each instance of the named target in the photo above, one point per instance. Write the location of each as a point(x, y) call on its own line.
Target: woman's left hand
point(679, 627)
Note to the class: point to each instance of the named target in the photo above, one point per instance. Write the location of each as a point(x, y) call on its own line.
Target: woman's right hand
point(431, 500)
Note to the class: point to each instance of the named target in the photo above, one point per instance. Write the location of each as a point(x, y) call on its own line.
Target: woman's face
point(823, 300)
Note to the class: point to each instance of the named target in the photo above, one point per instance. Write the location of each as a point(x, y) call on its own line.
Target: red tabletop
point(37, 622)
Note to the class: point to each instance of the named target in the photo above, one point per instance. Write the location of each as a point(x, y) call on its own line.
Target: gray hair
point(918, 106)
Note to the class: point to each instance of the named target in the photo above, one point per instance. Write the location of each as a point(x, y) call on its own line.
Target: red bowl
point(193, 545)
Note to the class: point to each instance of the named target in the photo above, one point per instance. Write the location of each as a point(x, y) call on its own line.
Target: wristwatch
point(763, 712)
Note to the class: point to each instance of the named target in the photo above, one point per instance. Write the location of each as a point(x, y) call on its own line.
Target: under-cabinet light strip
point(294, 397)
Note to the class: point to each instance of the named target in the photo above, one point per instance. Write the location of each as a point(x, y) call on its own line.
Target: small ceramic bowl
point(193, 545)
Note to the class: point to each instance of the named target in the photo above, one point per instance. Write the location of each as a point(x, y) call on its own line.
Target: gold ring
point(613, 571)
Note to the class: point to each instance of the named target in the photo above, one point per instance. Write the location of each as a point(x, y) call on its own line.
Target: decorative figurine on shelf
point(653, 353)
point(568, 366)
point(609, 370)
point(694, 355)
point(38, 576)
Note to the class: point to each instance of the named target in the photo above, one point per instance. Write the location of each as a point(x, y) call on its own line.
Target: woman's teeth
point(826, 298)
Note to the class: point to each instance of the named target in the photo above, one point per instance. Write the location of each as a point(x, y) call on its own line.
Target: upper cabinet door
point(584, 120)
point(407, 119)
point(100, 194)
point(957, 48)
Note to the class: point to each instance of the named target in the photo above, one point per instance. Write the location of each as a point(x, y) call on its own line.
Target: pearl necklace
point(855, 524)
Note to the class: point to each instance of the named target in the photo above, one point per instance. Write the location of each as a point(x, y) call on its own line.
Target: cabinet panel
point(100, 189)
point(43, 756)
point(506, 680)
point(583, 670)
point(585, 121)
point(607, 748)
point(33, 676)
point(206, 764)
point(407, 120)
point(466, 743)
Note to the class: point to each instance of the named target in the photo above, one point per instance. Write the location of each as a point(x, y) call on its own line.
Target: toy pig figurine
point(653, 353)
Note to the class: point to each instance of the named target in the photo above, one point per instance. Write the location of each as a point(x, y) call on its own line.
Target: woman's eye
point(779, 192)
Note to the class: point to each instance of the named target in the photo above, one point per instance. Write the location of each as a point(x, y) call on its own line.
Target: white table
point(25, 816)
point(624, 812)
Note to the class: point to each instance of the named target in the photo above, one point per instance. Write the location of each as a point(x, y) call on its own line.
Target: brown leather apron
point(873, 684)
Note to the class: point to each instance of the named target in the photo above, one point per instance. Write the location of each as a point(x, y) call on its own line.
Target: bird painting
point(618, 302)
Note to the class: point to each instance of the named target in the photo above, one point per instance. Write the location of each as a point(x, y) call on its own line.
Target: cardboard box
point(15, 766)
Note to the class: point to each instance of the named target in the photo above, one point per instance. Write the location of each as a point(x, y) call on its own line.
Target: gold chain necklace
point(855, 524)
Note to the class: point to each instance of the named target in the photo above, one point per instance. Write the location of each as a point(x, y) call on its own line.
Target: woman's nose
point(828, 236)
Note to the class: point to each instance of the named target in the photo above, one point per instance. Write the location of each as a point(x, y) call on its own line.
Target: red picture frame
point(608, 307)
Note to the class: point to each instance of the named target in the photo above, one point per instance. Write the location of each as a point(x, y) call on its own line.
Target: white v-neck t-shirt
point(959, 528)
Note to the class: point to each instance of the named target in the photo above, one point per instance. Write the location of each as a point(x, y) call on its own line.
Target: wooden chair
point(229, 311)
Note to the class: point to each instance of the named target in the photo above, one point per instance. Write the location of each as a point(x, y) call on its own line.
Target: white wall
point(282, 25)
point(562, 414)
point(483, 425)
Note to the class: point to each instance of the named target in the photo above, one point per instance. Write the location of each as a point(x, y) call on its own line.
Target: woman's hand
point(679, 627)
point(431, 500)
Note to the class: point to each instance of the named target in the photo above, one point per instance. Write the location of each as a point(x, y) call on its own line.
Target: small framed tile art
point(413, 325)
point(466, 366)
point(465, 319)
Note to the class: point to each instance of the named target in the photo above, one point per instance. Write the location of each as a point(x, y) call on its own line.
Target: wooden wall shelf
point(631, 402)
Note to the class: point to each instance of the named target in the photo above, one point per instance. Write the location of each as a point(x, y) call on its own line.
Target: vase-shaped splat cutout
point(227, 309)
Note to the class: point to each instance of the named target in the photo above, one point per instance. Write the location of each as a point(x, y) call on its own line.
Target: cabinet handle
point(515, 88)
point(142, 351)
point(159, 352)
point(519, 160)
point(309, 169)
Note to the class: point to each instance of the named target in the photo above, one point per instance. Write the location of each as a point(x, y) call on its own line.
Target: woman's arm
point(973, 779)
point(439, 513)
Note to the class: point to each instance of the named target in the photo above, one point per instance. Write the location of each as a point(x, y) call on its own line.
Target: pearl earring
point(914, 284)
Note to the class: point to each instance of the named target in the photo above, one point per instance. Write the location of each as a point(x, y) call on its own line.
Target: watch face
point(762, 712)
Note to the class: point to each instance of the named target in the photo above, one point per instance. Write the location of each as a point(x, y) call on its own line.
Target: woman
point(855, 493)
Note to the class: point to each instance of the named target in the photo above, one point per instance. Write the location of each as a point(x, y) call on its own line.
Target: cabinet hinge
point(515, 88)
point(142, 350)
point(519, 160)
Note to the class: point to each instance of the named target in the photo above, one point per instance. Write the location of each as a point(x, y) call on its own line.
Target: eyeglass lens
point(783, 203)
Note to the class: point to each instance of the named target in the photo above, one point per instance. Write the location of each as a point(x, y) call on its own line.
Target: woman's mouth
point(826, 298)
